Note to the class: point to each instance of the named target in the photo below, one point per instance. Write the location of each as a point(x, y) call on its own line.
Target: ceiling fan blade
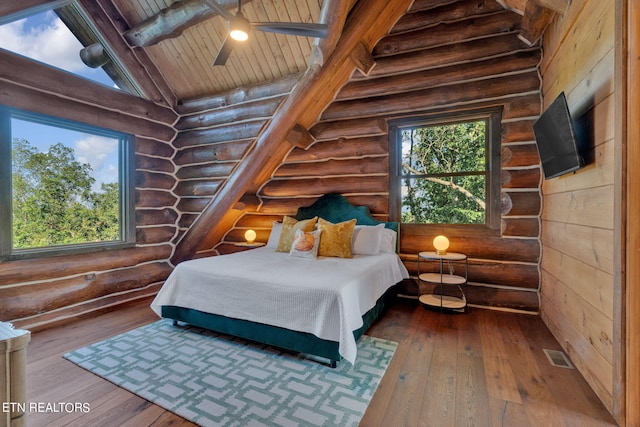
point(293, 28)
point(224, 52)
point(219, 9)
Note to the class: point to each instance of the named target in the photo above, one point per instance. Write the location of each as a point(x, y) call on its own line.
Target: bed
point(311, 304)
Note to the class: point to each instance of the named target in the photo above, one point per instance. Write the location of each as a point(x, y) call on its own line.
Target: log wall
point(580, 221)
point(437, 59)
point(443, 56)
point(37, 292)
point(215, 134)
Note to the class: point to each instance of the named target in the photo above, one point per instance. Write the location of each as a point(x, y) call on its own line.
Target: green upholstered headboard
point(336, 208)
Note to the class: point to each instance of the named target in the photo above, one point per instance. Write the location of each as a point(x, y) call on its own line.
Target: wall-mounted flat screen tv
point(556, 140)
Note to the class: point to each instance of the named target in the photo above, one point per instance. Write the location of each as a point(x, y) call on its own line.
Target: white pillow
point(305, 244)
point(388, 241)
point(274, 237)
point(366, 239)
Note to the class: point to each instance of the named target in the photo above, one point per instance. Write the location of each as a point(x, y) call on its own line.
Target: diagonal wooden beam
point(369, 21)
point(334, 13)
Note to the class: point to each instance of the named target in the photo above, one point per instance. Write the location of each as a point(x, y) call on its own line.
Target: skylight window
point(45, 36)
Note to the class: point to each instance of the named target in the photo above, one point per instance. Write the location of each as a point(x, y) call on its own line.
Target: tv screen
point(556, 140)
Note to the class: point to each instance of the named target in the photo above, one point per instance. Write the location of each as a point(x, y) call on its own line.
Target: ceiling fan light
point(239, 28)
point(239, 35)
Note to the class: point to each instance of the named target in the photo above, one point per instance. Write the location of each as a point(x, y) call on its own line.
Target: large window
point(446, 169)
point(65, 186)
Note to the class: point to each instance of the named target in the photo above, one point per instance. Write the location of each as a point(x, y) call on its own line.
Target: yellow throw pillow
point(289, 227)
point(335, 239)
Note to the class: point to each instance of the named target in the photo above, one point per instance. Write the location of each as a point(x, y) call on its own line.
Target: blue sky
point(45, 38)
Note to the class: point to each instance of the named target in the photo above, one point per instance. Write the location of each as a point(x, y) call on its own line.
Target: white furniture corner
point(13, 378)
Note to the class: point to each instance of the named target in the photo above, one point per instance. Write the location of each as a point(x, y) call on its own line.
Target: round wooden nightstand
point(448, 293)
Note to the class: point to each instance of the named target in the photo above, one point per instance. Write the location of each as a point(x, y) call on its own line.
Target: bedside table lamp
point(441, 244)
point(250, 236)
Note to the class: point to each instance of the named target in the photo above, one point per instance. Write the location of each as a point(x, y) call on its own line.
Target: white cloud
point(51, 42)
point(102, 154)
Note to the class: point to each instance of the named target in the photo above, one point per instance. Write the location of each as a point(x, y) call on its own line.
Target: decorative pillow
point(336, 238)
point(305, 244)
point(274, 237)
point(388, 241)
point(366, 239)
point(289, 227)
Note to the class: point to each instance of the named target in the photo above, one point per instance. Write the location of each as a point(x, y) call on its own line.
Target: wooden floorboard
point(480, 368)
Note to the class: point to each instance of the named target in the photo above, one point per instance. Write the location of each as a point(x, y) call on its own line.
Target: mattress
point(324, 296)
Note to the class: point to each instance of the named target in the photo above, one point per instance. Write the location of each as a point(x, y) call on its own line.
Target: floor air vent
point(558, 358)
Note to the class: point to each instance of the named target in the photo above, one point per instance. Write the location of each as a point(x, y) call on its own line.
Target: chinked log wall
point(215, 134)
point(44, 290)
point(460, 56)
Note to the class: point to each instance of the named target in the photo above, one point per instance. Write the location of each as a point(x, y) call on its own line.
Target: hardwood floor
point(481, 368)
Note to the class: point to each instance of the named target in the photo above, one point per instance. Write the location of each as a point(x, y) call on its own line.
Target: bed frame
point(334, 208)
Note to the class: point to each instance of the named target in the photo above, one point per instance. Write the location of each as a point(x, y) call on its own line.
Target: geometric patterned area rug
point(216, 380)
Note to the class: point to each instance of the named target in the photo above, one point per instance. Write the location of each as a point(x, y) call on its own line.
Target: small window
point(445, 170)
point(69, 186)
point(60, 38)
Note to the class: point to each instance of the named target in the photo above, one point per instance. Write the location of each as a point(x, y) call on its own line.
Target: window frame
point(493, 116)
point(126, 180)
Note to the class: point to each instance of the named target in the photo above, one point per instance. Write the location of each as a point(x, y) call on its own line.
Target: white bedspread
point(325, 296)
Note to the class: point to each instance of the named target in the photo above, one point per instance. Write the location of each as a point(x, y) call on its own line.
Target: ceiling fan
point(239, 28)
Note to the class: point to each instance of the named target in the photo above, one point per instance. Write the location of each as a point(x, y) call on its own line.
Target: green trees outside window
point(446, 169)
point(54, 202)
point(66, 186)
point(444, 173)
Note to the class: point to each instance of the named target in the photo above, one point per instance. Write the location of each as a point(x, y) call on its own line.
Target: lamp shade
point(250, 236)
point(441, 244)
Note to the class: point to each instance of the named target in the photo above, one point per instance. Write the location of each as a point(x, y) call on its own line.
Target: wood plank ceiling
point(179, 68)
point(185, 61)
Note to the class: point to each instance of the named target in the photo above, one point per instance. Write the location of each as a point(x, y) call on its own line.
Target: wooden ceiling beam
point(94, 56)
point(536, 18)
point(536, 15)
point(368, 22)
point(173, 20)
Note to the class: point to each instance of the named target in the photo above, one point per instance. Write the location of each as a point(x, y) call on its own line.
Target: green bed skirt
point(301, 342)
